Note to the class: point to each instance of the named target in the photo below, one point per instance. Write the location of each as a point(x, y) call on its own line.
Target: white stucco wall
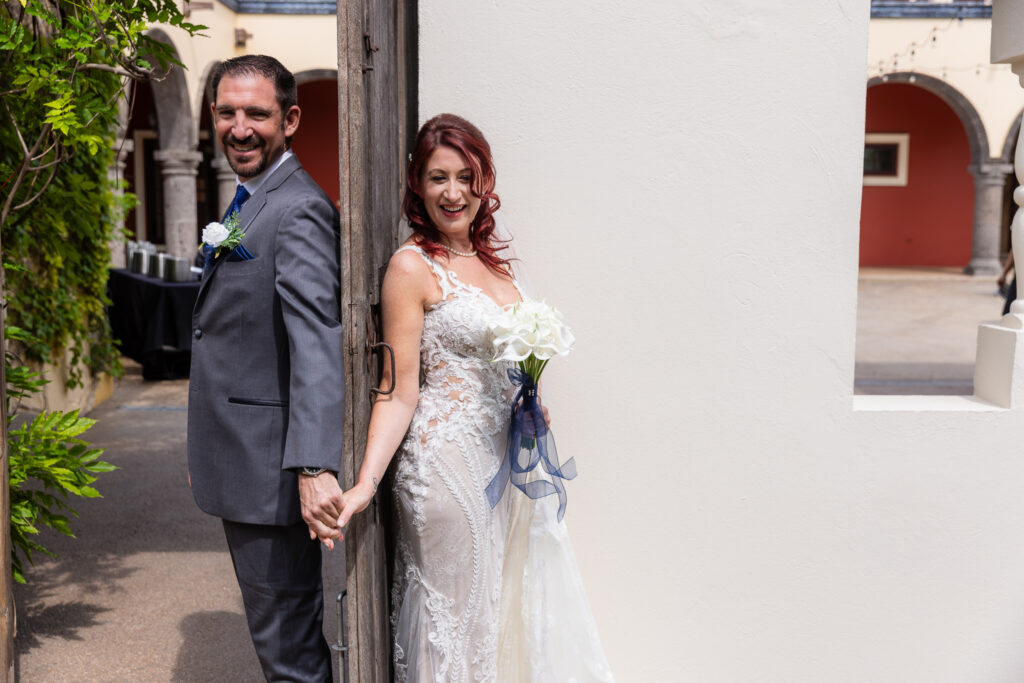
point(684, 180)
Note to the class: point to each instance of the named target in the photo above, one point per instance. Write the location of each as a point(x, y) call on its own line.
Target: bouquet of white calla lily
point(530, 333)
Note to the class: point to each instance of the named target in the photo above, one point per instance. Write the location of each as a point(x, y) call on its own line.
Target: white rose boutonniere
point(226, 235)
point(214, 234)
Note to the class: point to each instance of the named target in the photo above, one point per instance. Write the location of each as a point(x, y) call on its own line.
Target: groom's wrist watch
point(312, 471)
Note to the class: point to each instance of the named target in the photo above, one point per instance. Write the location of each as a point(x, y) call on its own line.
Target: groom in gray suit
point(266, 395)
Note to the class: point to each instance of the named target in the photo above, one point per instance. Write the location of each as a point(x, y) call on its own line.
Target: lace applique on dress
point(450, 542)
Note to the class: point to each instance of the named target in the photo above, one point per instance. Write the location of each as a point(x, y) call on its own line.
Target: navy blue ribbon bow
point(530, 438)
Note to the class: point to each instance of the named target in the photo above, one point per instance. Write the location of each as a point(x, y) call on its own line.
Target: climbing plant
point(64, 65)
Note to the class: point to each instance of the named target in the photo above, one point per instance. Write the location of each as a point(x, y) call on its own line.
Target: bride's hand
point(355, 500)
point(547, 416)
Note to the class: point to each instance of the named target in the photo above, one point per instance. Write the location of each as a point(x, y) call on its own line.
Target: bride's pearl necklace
point(456, 251)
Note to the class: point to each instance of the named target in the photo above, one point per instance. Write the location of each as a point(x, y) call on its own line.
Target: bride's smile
point(448, 196)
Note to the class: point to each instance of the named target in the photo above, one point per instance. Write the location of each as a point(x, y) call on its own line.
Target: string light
point(888, 66)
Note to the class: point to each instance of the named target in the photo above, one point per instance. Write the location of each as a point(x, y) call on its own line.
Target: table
point(152, 321)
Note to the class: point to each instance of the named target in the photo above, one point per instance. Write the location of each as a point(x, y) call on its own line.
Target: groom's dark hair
point(260, 65)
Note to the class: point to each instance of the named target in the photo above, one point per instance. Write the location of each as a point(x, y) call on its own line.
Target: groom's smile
point(252, 129)
point(246, 154)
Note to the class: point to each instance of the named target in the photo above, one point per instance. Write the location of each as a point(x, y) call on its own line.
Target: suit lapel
point(250, 211)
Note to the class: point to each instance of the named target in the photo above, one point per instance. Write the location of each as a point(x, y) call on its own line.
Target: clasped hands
point(326, 509)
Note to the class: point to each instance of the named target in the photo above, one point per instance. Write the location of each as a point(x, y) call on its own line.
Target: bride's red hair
point(453, 131)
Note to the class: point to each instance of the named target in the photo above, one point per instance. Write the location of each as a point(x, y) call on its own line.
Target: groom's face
point(250, 124)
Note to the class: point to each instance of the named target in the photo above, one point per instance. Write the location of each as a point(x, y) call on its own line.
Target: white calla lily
point(530, 333)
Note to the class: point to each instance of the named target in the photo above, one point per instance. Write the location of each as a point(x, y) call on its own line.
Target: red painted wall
point(927, 222)
point(316, 142)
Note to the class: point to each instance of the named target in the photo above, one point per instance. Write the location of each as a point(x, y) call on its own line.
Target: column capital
point(178, 161)
point(990, 173)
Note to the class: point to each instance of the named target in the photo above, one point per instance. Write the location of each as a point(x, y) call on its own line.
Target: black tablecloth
point(152, 321)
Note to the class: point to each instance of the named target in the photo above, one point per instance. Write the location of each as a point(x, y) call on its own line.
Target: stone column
point(989, 184)
point(226, 181)
point(124, 147)
point(178, 168)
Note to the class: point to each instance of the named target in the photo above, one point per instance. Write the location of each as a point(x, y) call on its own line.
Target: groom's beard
point(253, 168)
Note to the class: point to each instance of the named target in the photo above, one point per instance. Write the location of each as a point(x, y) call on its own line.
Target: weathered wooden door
point(377, 118)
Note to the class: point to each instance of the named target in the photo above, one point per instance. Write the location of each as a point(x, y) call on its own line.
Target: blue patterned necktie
point(241, 196)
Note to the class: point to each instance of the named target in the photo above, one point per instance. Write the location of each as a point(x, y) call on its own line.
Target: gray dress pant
point(278, 570)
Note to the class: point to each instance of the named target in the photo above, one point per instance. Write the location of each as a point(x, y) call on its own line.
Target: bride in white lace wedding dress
point(480, 594)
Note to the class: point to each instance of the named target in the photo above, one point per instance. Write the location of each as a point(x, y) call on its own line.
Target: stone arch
point(315, 75)
point(178, 156)
point(174, 110)
point(989, 174)
point(206, 96)
point(224, 176)
point(975, 129)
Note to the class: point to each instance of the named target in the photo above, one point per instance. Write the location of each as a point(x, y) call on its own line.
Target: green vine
point(64, 66)
point(60, 250)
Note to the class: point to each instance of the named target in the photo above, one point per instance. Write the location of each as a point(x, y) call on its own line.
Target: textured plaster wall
point(684, 180)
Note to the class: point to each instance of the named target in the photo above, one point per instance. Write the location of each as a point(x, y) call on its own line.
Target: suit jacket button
point(199, 333)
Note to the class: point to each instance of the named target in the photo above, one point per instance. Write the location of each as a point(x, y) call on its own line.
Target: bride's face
point(446, 184)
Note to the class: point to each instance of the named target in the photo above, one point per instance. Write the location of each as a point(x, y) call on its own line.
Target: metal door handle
point(391, 355)
point(341, 647)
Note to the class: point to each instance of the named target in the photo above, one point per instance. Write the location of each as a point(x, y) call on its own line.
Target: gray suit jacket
point(267, 383)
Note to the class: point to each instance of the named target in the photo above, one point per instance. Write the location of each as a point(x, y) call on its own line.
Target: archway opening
point(207, 199)
point(318, 133)
point(142, 172)
point(918, 312)
point(926, 219)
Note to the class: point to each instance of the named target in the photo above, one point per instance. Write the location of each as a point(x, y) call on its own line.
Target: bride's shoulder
point(410, 258)
point(412, 270)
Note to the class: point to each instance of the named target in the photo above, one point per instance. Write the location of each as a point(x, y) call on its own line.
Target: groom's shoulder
point(299, 183)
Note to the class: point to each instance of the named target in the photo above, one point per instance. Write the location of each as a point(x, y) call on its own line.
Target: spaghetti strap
point(515, 281)
point(442, 278)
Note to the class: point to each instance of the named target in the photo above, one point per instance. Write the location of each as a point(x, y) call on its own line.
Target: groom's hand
point(320, 502)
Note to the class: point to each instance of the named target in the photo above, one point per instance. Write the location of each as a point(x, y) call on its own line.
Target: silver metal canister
point(178, 269)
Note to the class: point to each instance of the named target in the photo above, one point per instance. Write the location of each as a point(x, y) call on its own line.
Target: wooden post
point(376, 64)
